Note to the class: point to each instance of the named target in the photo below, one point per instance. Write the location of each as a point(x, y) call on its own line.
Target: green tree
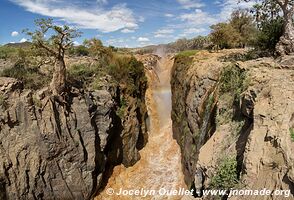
point(224, 35)
point(239, 31)
point(243, 22)
point(285, 45)
point(60, 40)
point(97, 50)
point(80, 50)
point(181, 44)
point(269, 23)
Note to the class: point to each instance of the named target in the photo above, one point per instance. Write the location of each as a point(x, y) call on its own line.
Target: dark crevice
point(27, 182)
point(98, 156)
point(287, 181)
point(113, 150)
point(3, 195)
point(208, 124)
point(142, 140)
point(56, 122)
point(241, 144)
point(83, 146)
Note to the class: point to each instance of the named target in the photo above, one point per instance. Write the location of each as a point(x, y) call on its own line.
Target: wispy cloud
point(192, 31)
point(143, 39)
point(117, 18)
point(118, 42)
point(198, 17)
point(164, 33)
point(195, 22)
point(188, 4)
point(169, 15)
point(228, 6)
point(127, 30)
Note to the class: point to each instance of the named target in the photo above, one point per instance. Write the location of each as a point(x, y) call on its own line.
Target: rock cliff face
point(191, 88)
point(63, 148)
point(241, 111)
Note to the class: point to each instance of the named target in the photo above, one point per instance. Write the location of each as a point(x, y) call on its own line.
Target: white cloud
point(76, 43)
point(14, 34)
point(194, 30)
point(164, 33)
point(228, 6)
point(117, 18)
point(142, 44)
point(117, 42)
point(169, 15)
point(197, 21)
point(162, 36)
point(127, 30)
point(198, 17)
point(23, 40)
point(217, 2)
point(143, 39)
point(188, 4)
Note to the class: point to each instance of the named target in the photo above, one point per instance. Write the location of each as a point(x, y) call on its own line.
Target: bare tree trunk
point(286, 44)
point(59, 77)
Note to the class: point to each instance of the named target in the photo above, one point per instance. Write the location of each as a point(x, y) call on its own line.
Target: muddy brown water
point(160, 163)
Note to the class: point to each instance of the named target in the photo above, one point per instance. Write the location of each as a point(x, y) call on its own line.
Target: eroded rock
point(61, 150)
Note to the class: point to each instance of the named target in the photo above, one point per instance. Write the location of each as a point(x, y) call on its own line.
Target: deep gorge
point(192, 118)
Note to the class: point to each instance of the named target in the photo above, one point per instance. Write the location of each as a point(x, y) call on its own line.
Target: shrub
point(122, 107)
point(81, 71)
point(188, 53)
point(79, 51)
point(82, 75)
point(129, 72)
point(7, 52)
point(291, 130)
point(96, 84)
point(269, 34)
point(226, 176)
point(31, 77)
point(232, 81)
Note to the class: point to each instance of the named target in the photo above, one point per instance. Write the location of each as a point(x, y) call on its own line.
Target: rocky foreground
point(233, 121)
point(65, 147)
point(231, 111)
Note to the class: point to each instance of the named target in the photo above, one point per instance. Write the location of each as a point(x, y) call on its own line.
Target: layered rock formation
point(191, 88)
point(252, 126)
point(64, 148)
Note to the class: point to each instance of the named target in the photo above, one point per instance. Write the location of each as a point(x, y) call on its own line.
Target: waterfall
point(160, 163)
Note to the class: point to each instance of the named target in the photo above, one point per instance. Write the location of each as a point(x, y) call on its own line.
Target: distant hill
point(19, 44)
point(200, 42)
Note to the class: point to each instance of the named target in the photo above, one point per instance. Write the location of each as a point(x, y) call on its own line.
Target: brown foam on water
point(160, 163)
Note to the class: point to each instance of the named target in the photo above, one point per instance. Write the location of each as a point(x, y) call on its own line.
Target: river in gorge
point(160, 163)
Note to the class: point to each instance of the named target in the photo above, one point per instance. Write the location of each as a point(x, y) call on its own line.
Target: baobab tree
point(60, 38)
point(286, 43)
point(285, 46)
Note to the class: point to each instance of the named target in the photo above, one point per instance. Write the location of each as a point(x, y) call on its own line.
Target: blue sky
point(122, 23)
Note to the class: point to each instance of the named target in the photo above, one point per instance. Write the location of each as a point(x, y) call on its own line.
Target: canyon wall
point(234, 122)
point(65, 147)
